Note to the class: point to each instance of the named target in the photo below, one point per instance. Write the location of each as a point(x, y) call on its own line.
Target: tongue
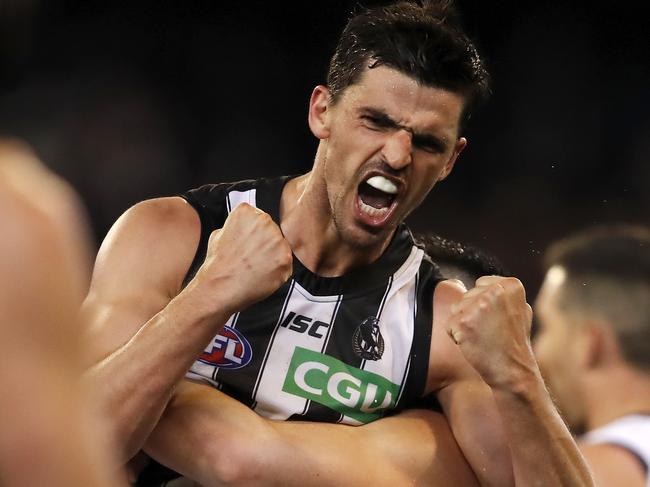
point(374, 197)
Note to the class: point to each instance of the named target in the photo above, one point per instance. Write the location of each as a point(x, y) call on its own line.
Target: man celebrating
point(311, 297)
point(594, 346)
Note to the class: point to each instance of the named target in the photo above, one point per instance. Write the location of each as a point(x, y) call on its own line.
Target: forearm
point(134, 383)
point(543, 450)
point(213, 439)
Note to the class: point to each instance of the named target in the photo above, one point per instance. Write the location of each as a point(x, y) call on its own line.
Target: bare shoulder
point(153, 243)
point(613, 465)
point(139, 269)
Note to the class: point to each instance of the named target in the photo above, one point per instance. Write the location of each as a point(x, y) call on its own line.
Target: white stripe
point(272, 401)
point(236, 198)
point(270, 344)
point(631, 432)
point(397, 323)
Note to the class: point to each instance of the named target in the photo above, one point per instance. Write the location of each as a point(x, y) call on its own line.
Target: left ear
point(461, 143)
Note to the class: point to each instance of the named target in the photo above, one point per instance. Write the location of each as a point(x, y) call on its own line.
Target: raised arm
point(500, 399)
point(213, 439)
point(144, 332)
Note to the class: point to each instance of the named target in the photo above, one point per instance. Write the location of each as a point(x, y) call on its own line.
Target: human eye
point(429, 144)
point(373, 123)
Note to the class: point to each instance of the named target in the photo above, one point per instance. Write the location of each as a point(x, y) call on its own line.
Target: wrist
point(527, 385)
point(206, 302)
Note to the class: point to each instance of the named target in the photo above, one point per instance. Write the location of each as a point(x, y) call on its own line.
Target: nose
point(397, 149)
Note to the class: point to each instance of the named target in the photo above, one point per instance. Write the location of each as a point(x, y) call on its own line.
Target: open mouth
point(376, 198)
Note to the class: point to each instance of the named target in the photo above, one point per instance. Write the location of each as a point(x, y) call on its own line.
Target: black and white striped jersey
point(346, 349)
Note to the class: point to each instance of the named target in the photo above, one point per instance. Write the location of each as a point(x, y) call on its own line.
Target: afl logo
point(228, 350)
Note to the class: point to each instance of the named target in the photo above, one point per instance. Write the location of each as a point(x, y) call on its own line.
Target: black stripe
point(414, 386)
point(381, 308)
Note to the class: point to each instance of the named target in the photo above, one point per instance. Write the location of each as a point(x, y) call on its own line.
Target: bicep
point(467, 401)
point(139, 268)
point(477, 426)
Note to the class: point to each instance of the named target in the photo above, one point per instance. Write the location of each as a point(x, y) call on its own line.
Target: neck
point(307, 224)
point(615, 392)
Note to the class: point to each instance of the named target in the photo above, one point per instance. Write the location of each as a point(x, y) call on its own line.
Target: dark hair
point(423, 40)
point(620, 252)
point(608, 275)
point(473, 261)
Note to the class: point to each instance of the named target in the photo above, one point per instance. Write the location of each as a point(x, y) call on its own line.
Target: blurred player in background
point(594, 347)
point(49, 435)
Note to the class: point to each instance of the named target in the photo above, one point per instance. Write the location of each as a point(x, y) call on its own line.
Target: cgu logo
point(228, 350)
point(355, 393)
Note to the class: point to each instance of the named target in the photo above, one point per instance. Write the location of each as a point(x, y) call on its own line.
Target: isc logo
point(302, 323)
point(228, 350)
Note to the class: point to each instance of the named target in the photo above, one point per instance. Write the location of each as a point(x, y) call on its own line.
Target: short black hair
point(423, 40)
point(471, 260)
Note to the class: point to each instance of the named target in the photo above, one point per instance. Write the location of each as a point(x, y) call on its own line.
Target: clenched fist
point(491, 326)
point(246, 261)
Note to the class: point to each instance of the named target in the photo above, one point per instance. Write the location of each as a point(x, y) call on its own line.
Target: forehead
point(405, 100)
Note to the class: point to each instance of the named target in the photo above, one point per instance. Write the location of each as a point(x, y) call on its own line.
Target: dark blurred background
point(131, 100)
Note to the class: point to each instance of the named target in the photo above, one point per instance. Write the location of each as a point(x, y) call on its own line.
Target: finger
point(447, 293)
point(214, 236)
point(471, 297)
point(510, 284)
point(486, 281)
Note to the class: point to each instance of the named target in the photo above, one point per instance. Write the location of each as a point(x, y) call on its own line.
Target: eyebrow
point(419, 139)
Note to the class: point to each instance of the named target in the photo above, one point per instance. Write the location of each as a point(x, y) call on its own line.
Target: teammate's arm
point(48, 434)
point(144, 332)
point(490, 325)
point(215, 440)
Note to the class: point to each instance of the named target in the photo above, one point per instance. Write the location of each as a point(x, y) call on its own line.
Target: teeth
point(371, 210)
point(382, 184)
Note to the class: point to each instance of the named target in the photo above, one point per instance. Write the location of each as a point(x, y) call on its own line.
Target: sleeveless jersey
point(630, 432)
point(346, 349)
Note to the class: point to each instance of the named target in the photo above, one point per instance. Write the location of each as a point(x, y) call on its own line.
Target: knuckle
point(465, 321)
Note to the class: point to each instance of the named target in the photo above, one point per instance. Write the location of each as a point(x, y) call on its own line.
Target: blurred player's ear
point(318, 105)
point(461, 143)
point(598, 345)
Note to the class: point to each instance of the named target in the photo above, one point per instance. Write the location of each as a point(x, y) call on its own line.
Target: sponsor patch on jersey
point(356, 393)
point(228, 350)
point(367, 341)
